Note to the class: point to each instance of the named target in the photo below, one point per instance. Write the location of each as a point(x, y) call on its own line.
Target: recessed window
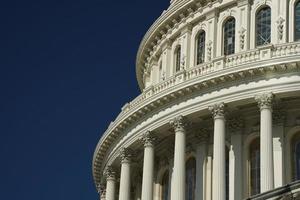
point(177, 58)
point(263, 26)
point(296, 156)
point(190, 179)
point(254, 158)
point(297, 21)
point(229, 36)
point(200, 47)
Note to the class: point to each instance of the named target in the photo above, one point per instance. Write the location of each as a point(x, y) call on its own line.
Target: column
point(148, 168)
point(124, 193)
point(201, 152)
point(110, 183)
point(236, 126)
point(178, 186)
point(219, 184)
point(266, 142)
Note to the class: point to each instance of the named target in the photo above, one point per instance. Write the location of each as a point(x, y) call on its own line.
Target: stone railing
point(288, 192)
point(247, 57)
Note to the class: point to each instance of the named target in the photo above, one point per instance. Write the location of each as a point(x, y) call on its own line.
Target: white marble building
point(219, 113)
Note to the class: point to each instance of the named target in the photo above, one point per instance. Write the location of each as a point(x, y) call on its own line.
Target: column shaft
point(219, 180)
point(124, 192)
point(178, 190)
point(110, 189)
point(266, 142)
point(148, 168)
point(219, 183)
point(266, 152)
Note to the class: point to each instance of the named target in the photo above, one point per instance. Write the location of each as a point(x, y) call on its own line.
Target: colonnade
point(179, 125)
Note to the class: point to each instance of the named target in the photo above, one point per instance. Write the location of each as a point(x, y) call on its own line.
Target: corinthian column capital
point(101, 190)
point(179, 123)
point(148, 138)
point(126, 154)
point(217, 110)
point(265, 100)
point(110, 173)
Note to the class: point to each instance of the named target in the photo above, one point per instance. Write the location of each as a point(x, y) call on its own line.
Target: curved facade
point(219, 113)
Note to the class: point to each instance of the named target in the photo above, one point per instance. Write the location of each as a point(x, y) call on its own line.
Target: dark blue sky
point(67, 67)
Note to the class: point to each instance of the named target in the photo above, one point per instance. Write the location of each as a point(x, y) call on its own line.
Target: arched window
point(165, 186)
point(177, 58)
point(254, 158)
point(200, 47)
point(263, 26)
point(296, 157)
point(190, 179)
point(297, 21)
point(229, 36)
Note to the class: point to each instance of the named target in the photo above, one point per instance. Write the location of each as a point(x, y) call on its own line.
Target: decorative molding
point(126, 155)
point(179, 123)
point(265, 100)
point(110, 173)
point(209, 50)
point(148, 139)
point(280, 24)
point(242, 33)
point(217, 110)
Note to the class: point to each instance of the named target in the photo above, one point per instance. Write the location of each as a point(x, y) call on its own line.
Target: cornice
point(192, 81)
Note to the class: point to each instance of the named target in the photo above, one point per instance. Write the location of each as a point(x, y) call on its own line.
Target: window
point(229, 36)
point(190, 179)
point(297, 21)
point(165, 186)
point(177, 58)
point(254, 158)
point(296, 157)
point(263, 26)
point(200, 47)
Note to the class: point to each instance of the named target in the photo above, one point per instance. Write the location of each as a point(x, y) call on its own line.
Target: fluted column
point(124, 193)
point(148, 168)
point(266, 142)
point(219, 183)
point(178, 190)
point(110, 175)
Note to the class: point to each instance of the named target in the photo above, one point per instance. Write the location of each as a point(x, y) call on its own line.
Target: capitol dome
point(218, 117)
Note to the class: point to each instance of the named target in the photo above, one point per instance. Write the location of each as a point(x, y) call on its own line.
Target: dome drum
point(218, 116)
